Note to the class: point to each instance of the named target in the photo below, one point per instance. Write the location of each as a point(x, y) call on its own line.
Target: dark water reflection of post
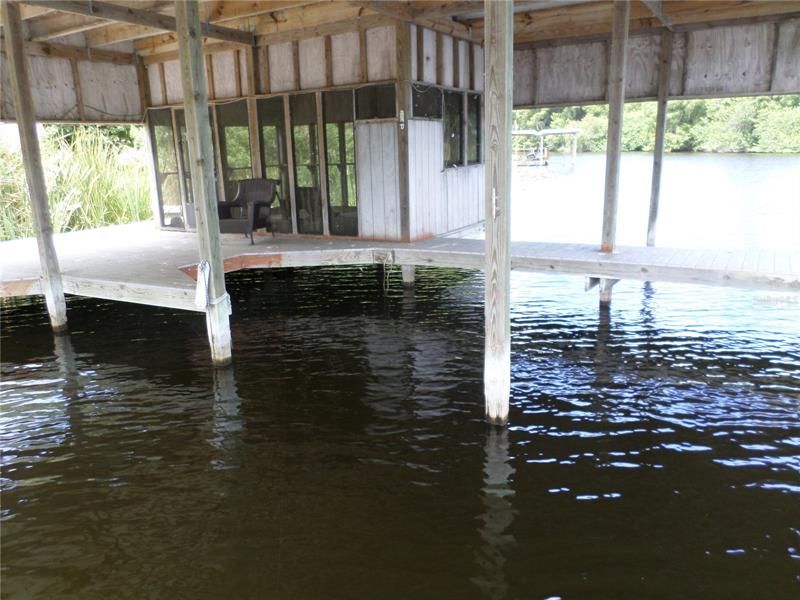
point(227, 419)
point(72, 386)
point(498, 515)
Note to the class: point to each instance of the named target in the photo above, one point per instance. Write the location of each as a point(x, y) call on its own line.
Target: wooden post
point(499, 38)
point(32, 160)
point(403, 61)
point(409, 274)
point(201, 156)
point(665, 65)
point(616, 105)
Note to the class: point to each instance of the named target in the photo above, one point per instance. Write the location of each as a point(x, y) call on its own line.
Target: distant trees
point(763, 124)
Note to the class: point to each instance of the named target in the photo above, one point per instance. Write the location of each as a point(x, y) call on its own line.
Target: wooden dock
point(139, 263)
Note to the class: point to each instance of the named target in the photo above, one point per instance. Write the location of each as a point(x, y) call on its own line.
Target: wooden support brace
point(201, 157)
point(497, 133)
point(52, 285)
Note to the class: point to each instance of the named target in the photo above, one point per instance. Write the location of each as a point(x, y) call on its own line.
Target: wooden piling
point(664, 69)
point(499, 37)
point(52, 286)
point(616, 105)
point(409, 275)
point(201, 156)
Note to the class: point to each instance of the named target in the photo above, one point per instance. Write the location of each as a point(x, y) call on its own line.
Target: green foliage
point(93, 179)
point(763, 124)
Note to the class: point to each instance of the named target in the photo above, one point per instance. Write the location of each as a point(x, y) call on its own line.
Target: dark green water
point(653, 452)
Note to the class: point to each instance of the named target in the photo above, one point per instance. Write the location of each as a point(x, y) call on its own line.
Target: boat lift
point(539, 157)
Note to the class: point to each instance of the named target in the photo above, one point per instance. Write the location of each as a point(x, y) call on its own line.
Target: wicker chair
point(250, 209)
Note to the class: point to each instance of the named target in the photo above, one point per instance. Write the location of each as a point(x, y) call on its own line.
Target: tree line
point(760, 124)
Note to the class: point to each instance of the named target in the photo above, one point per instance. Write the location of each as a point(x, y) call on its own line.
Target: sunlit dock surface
point(142, 264)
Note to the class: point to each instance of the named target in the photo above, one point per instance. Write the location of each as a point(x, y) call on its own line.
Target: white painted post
point(616, 106)
point(409, 275)
point(665, 65)
point(499, 39)
point(32, 160)
point(201, 157)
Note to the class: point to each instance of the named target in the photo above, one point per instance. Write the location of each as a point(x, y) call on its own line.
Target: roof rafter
point(153, 20)
point(404, 11)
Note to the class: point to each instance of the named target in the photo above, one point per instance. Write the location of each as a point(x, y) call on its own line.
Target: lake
point(653, 450)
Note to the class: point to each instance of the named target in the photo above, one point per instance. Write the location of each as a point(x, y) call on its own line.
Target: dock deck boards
point(140, 263)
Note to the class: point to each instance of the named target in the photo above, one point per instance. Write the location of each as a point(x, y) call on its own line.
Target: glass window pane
point(376, 102)
point(303, 108)
point(340, 152)
point(427, 101)
point(166, 164)
point(272, 134)
point(473, 128)
point(453, 128)
point(234, 141)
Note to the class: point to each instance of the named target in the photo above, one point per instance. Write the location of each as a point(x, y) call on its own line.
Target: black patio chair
point(250, 209)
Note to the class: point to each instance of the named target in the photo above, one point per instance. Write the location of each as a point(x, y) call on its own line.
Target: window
point(376, 102)
point(183, 152)
point(274, 160)
point(340, 152)
point(453, 127)
point(234, 145)
point(166, 163)
point(306, 163)
point(473, 128)
point(427, 101)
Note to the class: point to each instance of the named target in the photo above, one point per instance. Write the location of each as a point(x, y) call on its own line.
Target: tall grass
point(91, 181)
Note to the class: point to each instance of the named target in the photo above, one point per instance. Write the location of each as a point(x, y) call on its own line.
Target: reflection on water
point(654, 448)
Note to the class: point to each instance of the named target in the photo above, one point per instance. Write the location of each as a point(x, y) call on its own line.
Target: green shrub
point(92, 181)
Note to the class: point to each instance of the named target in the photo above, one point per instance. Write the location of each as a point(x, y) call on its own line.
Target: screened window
point(473, 128)
point(166, 163)
point(427, 101)
point(453, 127)
point(272, 137)
point(234, 145)
point(306, 163)
point(340, 152)
point(376, 102)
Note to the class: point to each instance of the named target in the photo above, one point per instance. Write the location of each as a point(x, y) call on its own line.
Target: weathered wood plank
point(497, 133)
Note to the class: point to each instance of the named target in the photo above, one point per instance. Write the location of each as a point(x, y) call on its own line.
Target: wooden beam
point(664, 71)
point(404, 11)
point(362, 54)
point(76, 83)
point(78, 53)
point(616, 104)
point(497, 133)
point(52, 285)
point(201, 158)
point(323, 165)
point(403, 61)
point(144, 18)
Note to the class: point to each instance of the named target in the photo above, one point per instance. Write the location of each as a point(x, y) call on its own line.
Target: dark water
point(653, 452)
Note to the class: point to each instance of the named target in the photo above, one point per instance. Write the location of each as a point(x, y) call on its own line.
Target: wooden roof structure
point(150, 24)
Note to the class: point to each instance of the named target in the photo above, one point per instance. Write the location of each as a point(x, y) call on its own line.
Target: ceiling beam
point(405, 11)
point(153, 20)
point(220, 11)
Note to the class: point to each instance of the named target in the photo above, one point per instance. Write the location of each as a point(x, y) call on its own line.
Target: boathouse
point(382, 124)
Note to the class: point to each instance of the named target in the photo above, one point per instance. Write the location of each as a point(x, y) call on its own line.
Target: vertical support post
point(616, 105)
point(409, 275)
point(201, 156)
point(403, 62)
point(664, 69)
point(499, 38)
point(323, 165)
point(32, 159)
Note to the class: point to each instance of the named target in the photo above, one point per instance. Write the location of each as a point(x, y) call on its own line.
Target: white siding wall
point(441, 200)
point(378, 184)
